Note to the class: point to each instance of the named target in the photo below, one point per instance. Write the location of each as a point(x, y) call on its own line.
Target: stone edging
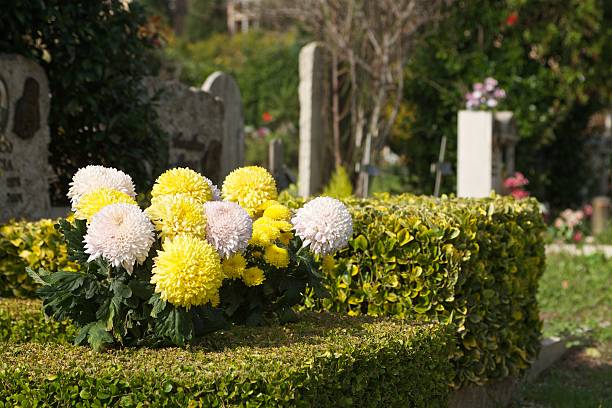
point(586, 249)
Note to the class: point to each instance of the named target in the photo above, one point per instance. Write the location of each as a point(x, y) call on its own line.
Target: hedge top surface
point(240, 350)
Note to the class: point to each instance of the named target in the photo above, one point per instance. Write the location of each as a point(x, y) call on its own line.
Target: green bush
point(551, 60)
point(475, 263)
point(30, 244)
point(22, 321)
point(95, 56)
point(324, 360)
point(339, 185)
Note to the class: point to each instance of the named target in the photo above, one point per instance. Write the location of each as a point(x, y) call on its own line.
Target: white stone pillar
point(474, 153)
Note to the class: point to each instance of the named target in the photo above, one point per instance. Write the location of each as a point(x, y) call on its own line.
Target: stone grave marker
point(276, 164)
point(224, 87)
point(601, 211)
point(313, 66)
point(485, 152)
point(194, 121)
point(24, 139)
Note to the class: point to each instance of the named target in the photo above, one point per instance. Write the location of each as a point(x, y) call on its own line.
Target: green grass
point(605, 237)
point(575, 299)
point(575, 296)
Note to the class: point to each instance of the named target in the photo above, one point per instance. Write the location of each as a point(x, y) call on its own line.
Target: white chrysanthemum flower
point(92, 178)
point(216, 193)
point(229, 227)
point(121, 234)
point(325, 224)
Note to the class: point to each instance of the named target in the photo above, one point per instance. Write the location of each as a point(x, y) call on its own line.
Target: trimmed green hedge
point(473, 262)
point(324, 360)
point(23, 321)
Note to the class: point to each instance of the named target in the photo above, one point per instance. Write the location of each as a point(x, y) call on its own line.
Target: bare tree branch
point(370, 40)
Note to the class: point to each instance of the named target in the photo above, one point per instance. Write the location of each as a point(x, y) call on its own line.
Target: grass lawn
point(575, 298)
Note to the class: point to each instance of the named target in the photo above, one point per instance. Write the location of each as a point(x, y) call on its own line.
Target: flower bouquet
point(485, 95)
point(195, 260)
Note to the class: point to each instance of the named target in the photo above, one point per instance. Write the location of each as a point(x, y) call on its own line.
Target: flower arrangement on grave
point(572, 226)
point(485, 95)
point(195, 260)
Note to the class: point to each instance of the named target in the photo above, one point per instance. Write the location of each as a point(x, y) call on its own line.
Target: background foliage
point(95, 57)
point(265, 65)
point(552, 59)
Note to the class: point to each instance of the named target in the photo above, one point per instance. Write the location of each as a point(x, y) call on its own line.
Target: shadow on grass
point(582, 379)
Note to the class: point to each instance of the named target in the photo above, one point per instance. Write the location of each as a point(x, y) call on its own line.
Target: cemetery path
point(586, 249)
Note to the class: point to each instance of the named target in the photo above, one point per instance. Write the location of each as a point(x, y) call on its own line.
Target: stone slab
point(224, 87)
point(193, 119)
point(24, 139)
point(313, 119)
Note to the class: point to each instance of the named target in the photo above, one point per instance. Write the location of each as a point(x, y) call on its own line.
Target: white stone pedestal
point(485, 152)
point(474, 153)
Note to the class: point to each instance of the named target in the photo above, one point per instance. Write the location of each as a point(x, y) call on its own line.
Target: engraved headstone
point(193, 119)
point(224, 87)
point(24, 139)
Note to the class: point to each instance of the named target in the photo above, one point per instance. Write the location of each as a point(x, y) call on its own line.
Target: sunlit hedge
point(323, 360)
point(30, 244)
point(475, 263)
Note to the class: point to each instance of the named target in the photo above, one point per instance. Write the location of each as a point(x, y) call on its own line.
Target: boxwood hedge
point(23, 321)
point(473, 262)
point(323, 360)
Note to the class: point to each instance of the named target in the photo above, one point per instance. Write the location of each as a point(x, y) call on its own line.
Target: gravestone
point(276, 164)
point(24, 139)
point(485, 152)
point(601, 210)
point(224, 87)
point(314, 107)
point(193, 119)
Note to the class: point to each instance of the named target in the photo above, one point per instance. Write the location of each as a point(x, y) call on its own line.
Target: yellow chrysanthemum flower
point(187, 272)
point(92, 202)
point(250, 187)
point(253, 276)
point(264, 206)
point(264, 232)
point(277, 212)
point(286, 237)
point(328, 263)
point(234, 266)
point(283, 226)
point(276, 256)
point(183, 181)
point(178, 214)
